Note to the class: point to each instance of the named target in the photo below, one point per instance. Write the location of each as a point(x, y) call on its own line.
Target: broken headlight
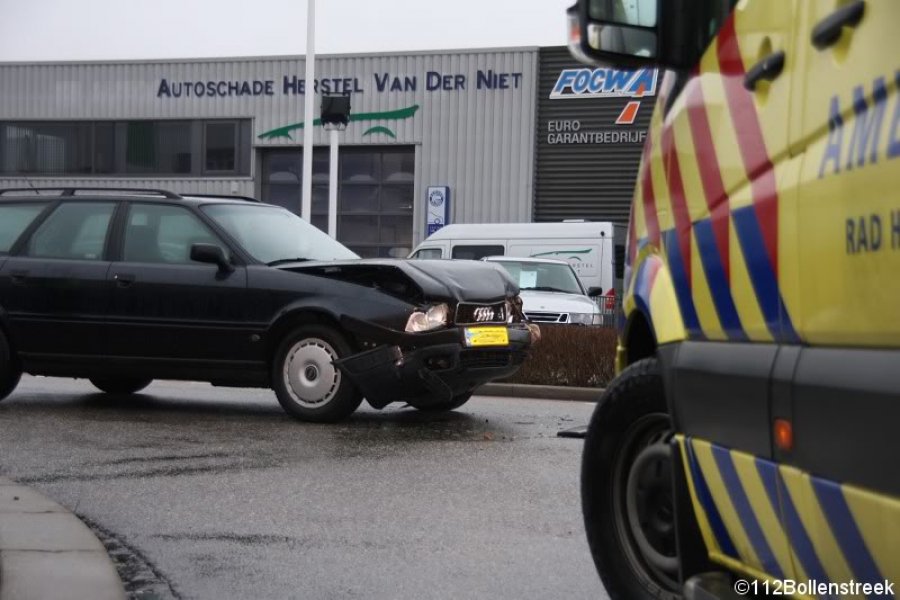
point(433, 318)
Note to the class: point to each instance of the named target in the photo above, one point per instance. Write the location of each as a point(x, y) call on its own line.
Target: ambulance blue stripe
point(745, 511)
point(718, 281)
point(682, 285)
point(843, 526)
point(765, 284)
point(709, 506)
point(783, 505)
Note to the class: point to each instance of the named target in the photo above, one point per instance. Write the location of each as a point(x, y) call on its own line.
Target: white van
point(596, 250)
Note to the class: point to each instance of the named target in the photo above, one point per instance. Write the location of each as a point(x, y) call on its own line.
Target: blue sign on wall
point(437, 207)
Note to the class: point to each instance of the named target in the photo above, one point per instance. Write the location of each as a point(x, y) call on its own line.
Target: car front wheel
point(307, 383)
point(120, 385)
point(626, 488)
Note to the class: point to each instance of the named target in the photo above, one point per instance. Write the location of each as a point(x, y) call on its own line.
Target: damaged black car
point(125, 286)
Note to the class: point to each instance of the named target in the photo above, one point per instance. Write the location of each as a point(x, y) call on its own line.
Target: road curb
point(47, 553)
point(543, 392)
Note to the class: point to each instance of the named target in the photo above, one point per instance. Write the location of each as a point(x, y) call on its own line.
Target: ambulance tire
point(626, 488)
point(10, 372)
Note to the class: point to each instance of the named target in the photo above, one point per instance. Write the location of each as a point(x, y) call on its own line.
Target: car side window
point(427, 254)
point(14, 220)
point(75, 230)
point(476, 252)
point(162, 233)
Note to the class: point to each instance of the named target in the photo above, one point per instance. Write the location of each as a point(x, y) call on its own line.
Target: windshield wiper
point(282, 261)
point(547, 288)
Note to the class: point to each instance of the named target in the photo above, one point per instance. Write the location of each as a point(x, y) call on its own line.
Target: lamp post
point(335, 117)
point(308, 97)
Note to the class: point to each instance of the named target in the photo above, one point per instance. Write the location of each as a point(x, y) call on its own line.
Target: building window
point(46, 148)
point(158, 147)
point(221, 152)
point(115, 148)
point(376, 201)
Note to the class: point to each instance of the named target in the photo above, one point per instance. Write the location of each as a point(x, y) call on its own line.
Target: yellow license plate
point(487, 336)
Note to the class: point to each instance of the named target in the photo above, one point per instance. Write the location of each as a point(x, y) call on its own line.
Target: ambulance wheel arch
point(652, 317)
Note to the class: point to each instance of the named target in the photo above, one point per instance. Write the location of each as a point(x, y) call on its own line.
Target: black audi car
point(126, 286)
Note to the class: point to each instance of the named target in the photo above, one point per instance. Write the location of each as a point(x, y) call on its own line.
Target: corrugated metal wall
point(593, 181)
point(479, 140)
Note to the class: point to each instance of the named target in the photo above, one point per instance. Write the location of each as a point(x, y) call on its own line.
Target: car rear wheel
point(307, 383)
point(626, 488)
point(10, 373)
point(120, 385)
point(452, 404)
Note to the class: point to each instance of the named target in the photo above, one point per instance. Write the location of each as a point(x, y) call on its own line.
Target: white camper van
point(595, 250)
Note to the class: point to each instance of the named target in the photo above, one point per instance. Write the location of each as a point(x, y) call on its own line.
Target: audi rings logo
point(484, 313)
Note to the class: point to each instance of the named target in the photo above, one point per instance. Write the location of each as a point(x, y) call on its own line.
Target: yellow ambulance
point(750, 444)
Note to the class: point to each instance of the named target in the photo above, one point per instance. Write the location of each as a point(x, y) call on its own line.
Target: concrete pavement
point(47, 553)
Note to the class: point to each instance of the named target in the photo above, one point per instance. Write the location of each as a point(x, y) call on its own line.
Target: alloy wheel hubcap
point(309, 373)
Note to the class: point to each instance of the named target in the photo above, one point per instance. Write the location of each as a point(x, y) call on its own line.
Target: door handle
point(18, 276)
point(124, 279)
point(768, 68)
point(828, 30)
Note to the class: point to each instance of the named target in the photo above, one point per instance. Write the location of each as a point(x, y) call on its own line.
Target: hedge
point(570, 355)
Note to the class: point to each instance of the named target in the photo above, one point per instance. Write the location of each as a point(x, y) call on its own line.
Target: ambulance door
point(725, 162)
point(842, 495)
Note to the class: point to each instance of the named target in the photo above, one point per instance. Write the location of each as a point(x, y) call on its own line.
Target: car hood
point(445, 280)
point(538, 301)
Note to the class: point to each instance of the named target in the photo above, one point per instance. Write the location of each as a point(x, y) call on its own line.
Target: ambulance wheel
point(626, 488)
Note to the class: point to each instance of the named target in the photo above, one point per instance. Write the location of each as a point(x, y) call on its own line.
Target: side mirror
point(634, 33)
point(593, 292)
point(211, 253)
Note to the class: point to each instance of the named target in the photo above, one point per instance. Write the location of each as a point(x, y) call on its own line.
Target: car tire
point(307, 383)
point(626, 497)
point(10, 372)
point(452, 404)
point(120, 385)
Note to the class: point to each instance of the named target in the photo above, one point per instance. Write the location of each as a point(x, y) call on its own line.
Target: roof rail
point(220, 196)
point(65, 190)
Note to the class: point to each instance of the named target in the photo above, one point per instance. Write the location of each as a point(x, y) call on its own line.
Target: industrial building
point(504, 135)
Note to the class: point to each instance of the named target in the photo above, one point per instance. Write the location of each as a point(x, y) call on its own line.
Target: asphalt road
point(206, 492)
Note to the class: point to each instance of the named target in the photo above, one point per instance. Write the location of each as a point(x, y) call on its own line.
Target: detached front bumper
point(431, 368)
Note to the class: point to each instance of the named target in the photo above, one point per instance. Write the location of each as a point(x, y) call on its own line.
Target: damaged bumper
point(428, 368)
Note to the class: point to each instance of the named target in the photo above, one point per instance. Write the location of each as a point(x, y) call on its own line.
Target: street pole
point(332, 182)
point(308, 97)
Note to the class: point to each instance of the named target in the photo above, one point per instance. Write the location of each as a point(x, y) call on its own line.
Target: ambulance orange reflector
point(629, 113)
point(784, 435)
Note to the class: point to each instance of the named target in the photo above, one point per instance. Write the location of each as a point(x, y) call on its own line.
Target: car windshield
point(272, 234)
point(547, 277)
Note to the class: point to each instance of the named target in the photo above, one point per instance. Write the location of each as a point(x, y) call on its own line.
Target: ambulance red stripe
point(752, 143)
point(649, 199)
point(710, 173)
point(679, 204)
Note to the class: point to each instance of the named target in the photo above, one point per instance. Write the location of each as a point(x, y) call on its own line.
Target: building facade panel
point(467, 117)
point(588, 147)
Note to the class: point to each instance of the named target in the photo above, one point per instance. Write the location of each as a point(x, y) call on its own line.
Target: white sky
point(136, 29)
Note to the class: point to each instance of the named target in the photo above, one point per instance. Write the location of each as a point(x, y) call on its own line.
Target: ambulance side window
point(712, 14)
